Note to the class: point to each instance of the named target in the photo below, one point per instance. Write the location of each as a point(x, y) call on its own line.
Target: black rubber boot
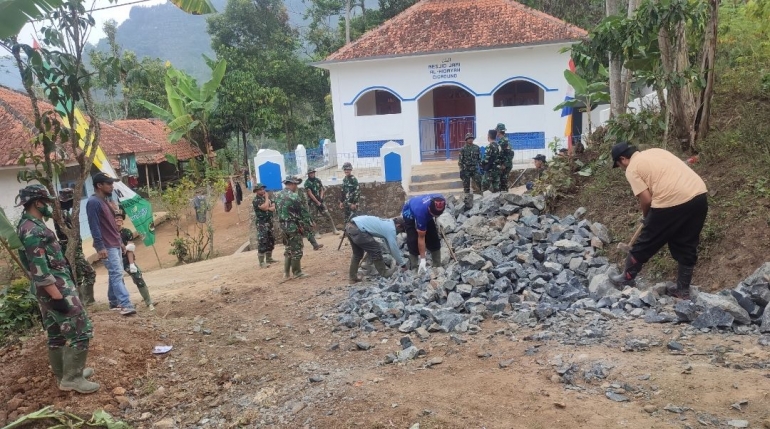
point(626, 278)
point(435, 258)
point(414, 262)
point(683, 280)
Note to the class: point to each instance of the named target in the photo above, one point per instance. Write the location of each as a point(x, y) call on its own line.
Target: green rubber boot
point(269, 258)
point(296, 267)
point(146, 297)
point(286, 268)
point(436, 258)
point(383, 269)
point(262, 263)
point(56, 359)
point(353, 270)
point(414, 262)
point(74, 362)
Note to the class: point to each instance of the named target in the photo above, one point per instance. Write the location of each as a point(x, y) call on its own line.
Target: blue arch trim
point(528, 79)
point(451, 83)
point(372, 88)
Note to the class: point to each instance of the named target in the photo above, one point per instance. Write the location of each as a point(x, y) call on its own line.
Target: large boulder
point(726, 303)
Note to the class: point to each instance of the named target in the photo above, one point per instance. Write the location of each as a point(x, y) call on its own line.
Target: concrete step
point(444, 192)
point(436, 184)
point(431, 177)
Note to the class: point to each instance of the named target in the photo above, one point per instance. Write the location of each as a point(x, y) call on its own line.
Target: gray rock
point(569, 246)
point(761, 275)
point(760, 294)
point(764, 340)
point(675, 346)
point(422, 333)
point(447, 222)
point(612, 396)
point(316, 379)
point(601, 232)
point(524, 232)
point(448, 319)
point(687, 311)
point(409, 353)
point(405, 342)
point(363, 345)
point(454, 300)
point(764, 324)
point(553, 267)
point(713, 317)
point(464, 289)
point(505, 363)
point(472, 260)
point(493, 254)
point(726, 303)
point(601, 287)
point(579, 213)
point(738, 423)
point(649, 298)
point(475, 278)
point(409, 326)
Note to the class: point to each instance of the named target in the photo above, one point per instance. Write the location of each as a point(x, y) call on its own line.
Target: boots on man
point(435, 258)
point(414, 262)
point(262, 263)
point(382, 269)
point(353, 270)
point(56, 359)
point(286, 268)
point(683, 280)
point(626, 278)
point(296, 267)
point(269, 258)
point(73, 364)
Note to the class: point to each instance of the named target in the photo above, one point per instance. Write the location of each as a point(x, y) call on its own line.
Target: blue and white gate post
point(269, 169)
point(396, 163)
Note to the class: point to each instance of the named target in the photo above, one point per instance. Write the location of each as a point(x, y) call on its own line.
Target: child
point(129, 260)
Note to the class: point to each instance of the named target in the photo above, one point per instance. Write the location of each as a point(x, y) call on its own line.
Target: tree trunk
point(245, 149)
point(701, 125)
point(681, 100)
point(626, 74)
point(347, 22)
point(616, 69)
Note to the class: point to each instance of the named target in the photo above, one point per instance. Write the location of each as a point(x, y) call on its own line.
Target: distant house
point(443, 68)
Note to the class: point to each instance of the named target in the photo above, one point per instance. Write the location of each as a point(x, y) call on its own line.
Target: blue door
point(392, 167)
point(270, 176)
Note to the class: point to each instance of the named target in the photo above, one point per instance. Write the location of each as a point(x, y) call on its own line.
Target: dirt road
point(250, 351)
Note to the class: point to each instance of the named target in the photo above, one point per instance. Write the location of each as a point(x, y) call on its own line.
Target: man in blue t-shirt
point(421, 231)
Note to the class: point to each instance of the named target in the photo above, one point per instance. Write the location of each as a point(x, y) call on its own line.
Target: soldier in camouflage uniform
point(505, 160)
point(263, 213)
point(315, 194)
point(292, 217)
point(308, 225)
point(64, 318)
point(489, 163)
point(470, 159)
point(84, 272)
point(350, 193)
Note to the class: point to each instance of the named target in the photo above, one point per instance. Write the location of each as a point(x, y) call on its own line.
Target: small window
point(519, 93)
point(378, 102)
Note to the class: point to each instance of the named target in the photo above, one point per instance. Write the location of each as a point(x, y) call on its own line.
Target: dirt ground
point(246, 345)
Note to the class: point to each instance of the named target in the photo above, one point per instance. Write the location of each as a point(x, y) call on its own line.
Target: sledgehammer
point(625, 248)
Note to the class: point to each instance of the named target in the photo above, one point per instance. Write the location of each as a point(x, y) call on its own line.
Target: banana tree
point(190, 105)
point(14, 14)
point(587, 94)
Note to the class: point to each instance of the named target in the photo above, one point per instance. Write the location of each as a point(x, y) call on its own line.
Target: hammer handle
point(636, 235)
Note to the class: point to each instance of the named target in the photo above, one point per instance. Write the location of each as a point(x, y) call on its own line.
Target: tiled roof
point(117, 141)
point(156, 131)
point(436, 26)
point(17, 126)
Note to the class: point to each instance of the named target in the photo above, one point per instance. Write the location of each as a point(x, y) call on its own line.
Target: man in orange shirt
point(673, 199)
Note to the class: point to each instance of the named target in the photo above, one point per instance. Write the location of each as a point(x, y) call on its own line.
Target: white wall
point(481, 73)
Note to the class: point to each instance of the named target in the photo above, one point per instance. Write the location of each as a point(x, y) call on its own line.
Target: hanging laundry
point(201, 208)
point(229, 197)
point(238, 193)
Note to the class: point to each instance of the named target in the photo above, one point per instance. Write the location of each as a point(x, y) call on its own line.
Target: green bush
point(18, 309)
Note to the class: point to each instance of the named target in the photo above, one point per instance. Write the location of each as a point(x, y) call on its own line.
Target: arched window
point(519, 93)
point(378, 102)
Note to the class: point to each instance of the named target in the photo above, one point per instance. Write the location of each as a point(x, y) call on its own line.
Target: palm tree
point(15, 13)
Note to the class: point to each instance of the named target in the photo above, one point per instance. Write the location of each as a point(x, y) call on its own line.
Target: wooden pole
point(147, 176)
point(156, 255)
point(160, 181)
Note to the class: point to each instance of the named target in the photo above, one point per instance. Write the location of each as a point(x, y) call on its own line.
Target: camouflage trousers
point(348, 212)
point(492, 180)
point(505, 175)
point(265, 237)
point(292, 242)
point(73, 327)
point(86, 275)
point(136, 277)
point(466, 176)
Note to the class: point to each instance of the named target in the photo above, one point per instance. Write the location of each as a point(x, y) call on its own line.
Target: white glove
point(132, 268)
point(423, 268)
point(130, 247)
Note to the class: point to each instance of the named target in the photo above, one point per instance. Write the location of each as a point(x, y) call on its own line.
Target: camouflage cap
point(540, 157)
point(469, 136)
point(310, 170)
point(66, 194)
point(32, 193)
point(500, 127)
point(347, 166)
point(258, 186)
point(292, 179)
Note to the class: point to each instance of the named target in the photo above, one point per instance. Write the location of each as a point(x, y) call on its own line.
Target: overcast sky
point(119, 14)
